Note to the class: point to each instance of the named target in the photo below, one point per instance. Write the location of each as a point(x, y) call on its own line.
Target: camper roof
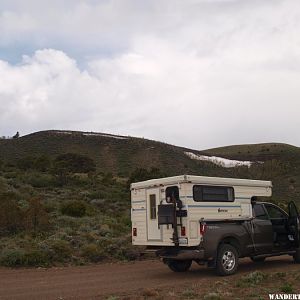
point(201, 180)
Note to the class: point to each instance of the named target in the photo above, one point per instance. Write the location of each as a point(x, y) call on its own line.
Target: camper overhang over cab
point(170, 211)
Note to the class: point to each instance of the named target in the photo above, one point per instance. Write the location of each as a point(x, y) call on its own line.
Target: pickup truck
point(270, 232)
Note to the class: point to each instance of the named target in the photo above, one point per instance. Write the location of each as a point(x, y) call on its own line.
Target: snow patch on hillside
point(106, 135)
point(220, 161)
point(94, 134)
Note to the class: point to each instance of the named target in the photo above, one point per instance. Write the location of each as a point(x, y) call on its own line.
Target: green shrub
point(43, 163)
point(40, 180)
point(12, 257)
point(287, 288)
point(58, 250)
point(252, 279)
point(35, 258)
point(189, 293)
point(76, 163)
point(36, 217)
point(21, 257)
point(92, 252)
point(74, 208)
point(11, 217)
point(26, 163)
point(212, 296)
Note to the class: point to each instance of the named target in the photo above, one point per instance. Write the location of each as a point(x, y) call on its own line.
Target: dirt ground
point(119, 279)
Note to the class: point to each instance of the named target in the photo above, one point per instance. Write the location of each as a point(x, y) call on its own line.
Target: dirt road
point(100, 281)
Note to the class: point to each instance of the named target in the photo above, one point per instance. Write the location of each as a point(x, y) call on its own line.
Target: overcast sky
point(195, 73)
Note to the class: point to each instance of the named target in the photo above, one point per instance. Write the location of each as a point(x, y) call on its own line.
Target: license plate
point(183, 241)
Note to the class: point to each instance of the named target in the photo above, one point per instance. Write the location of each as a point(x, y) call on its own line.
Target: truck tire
point(297, 256)
point(227, 260)
point(257, 259)
point(179, 265)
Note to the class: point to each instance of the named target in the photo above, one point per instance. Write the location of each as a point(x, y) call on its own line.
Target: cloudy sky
point(195, 73)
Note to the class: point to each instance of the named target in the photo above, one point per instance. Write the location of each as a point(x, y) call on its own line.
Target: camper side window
point(213, 193)
point(152, 207)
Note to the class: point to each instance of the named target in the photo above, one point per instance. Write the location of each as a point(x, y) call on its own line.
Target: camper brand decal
point(213, 227)
point(222, 210)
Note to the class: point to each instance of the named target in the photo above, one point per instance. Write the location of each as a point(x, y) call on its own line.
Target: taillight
point(202, 228)
point(134, 232)
point(182, 231)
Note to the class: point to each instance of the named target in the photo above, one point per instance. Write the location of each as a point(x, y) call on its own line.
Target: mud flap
point(212, 263)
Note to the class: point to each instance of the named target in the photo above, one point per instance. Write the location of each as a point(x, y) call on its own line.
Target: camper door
point(153, 232)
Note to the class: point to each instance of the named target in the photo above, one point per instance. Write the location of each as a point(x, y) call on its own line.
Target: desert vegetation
point(66, 199)
point(61, 211)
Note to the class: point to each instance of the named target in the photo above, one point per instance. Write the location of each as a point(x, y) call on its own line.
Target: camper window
point(213, 193)
point(152, 207)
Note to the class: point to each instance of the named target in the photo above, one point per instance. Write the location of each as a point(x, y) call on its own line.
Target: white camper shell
point(194, 199)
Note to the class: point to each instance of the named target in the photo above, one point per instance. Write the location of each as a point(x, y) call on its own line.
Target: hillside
point(122, 155)
point(64, 195)
point(116, 154)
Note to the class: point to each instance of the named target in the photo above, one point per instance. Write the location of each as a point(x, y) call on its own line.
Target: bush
point(212, 296)
point(58, 250)
point(11, 217)
point(26, 163)
point(42, 163)
point(287, 288)
point(36, 217)
point(251, 279)
point(74, 208)
point(93, 253)
point(12, 257)
point(76, 163)
point(39, 180)
point(35, 258)
point(21, 257)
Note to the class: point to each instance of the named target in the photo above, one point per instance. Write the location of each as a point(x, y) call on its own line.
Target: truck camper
point(210, 220)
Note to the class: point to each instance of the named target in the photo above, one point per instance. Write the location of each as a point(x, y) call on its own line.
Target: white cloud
point(194, 73)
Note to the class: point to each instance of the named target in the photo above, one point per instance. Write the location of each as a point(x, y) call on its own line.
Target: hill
point(64, 195)
point(117, 154)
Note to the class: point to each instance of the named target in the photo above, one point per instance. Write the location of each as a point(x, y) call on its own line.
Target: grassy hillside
point(64, 196)
point(119, 155)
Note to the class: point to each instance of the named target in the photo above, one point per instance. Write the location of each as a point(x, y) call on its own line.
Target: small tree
point(11, 216)
point(36, 217)
point(17, 135)
point(61, 172)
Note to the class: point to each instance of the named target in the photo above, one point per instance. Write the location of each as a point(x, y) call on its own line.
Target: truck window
point(259, 212)
point(274, 212)
point(213, 193)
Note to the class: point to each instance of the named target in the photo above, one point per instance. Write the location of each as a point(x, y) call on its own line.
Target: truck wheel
point(257, 259)
point(227, 260)
point(297, 256)
point(179, 265)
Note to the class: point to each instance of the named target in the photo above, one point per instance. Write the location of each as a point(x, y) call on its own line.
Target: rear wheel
point(227, 260)
point(179, 265)
point(257, 259)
